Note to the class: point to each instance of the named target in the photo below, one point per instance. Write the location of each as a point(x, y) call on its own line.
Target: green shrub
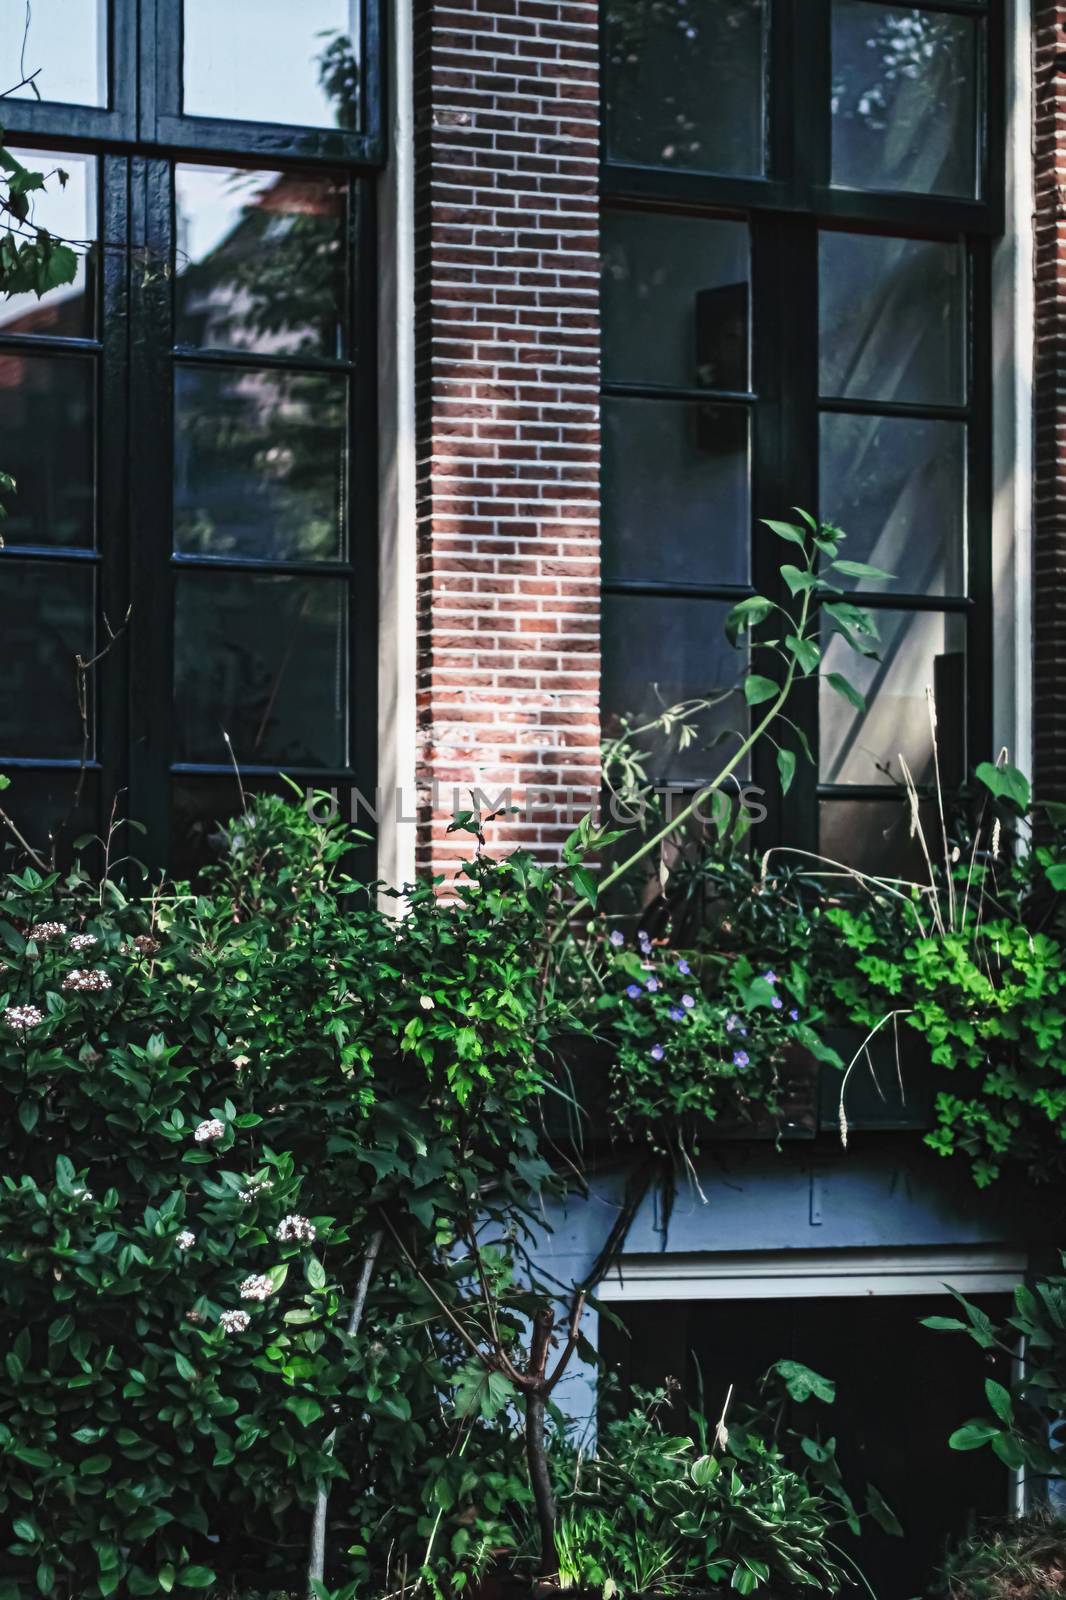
point(1023, 1560)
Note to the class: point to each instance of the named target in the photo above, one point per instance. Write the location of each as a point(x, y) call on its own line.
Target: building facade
point(413, 420)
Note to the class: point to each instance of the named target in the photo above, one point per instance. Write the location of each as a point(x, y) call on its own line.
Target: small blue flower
point(771, 977)
point(794, 1014)
point(652, 985)
point(777, 1002)
point(618, 938)
point(634, 991)
point(687, 1001)
point(732, 1023)
point(676, 1014)
point(656, 1052)
point(684, 968)
point(740, 1058)
point(644, 940)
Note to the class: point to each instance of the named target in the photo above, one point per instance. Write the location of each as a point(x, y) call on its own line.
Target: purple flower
point(732, 1023)
point(794, 1014)
point(644, 940)
point(777, 1002)
point(676, 1014)
point(684, 968)
point(771, 977)
point(740, 1058)
point(656, 1052)
point(617, 938)
point(687, 1001)
point(652, 985)
point(634, 991)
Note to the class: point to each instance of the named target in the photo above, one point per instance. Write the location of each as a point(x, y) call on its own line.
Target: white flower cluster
point(87, 980)
point(257, 1287)
point(80, 942)
point(234, 1321)
point(212, 1128)
point(257, 1187)
point(22, 1017)
point(185, 1239)
point(41, 932)
point(298, 1228)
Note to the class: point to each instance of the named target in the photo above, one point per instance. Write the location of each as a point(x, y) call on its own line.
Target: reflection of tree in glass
point(684, 82)
point(338, 74)
point(902, 97)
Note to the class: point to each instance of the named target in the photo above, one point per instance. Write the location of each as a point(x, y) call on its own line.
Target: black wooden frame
point(137, 141)
point(785, 212)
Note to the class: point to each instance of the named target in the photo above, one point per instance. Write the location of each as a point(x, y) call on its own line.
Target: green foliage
point(180, 1078)
point(747, 1502)
point(1022, 1558)
point(1027, 1424)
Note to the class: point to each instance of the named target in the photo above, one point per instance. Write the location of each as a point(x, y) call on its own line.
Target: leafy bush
point(1023, 1560)
point(219, 1111)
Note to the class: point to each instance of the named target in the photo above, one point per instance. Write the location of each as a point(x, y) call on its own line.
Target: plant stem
point(316, 1561)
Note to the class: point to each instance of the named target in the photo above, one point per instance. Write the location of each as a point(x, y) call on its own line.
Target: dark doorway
point(901, 1391)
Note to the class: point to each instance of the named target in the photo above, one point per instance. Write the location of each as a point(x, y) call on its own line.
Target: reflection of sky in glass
point(65, 44)
point(69, 212)
point(209, 203)
point(258, 60)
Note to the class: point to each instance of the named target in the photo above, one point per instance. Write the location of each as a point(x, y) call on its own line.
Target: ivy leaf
point(786, 767)
point(746, 614)
point(798, 580)
point(305, 1407)
point(805, 651)
point(196, 1577)
point(757, 689)
point(848, 691)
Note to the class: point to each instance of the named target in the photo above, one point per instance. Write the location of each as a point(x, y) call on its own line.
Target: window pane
point(675, 307)
point(676, 491)
point(69, 211)
point(46, 425)
point(259, 463)
point(918, 650)
point(875, 836)
point(685, 84)
point(897, 487)
point(46, 619)
point(265, 658)
point(259, 261)
point(273, 61)
point(904, 99)
point(893, 319)
point(658, 652)
point(62, 44)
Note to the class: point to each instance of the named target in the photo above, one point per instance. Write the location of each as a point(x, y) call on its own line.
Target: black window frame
point(137, 148)
point(786, 210)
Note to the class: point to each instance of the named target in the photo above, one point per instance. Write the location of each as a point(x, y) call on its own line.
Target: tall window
point(800, 198)
point(191, 423)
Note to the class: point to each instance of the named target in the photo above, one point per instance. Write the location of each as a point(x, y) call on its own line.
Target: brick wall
point(1049, 702)
point(507, 331)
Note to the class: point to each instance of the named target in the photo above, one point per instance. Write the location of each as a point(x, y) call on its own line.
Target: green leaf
point(196, 1577)
point(586, 883)
point(882, 1513)
point(802, 1383)
point(846, 690)
point(184, 1366)
point(798, 579)
point(29, 1111)
point(944, 1324)
point(785, 530)
point(757, 689)
point(861, 569)
point(806, 652)
point(972, 1435)
point(304, 1407)
point(786, 767)
point(166, 1576)
point(316, 1273)
point(746, 614)
point(1006, 783)
point(1056, 875)
point(1000, 1401)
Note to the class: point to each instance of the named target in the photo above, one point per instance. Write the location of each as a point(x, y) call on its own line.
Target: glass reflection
point(692, 459)
point(919, 651)
point(897, 486)
point(264, 657)
point(47, 429)
point(892, 319)
point(658, 652)
point(67, 210)
point(675, 300)
point(904, 99)
point(685, 83)
point(259, 463)
point(273, 61)
point(61, 46)
point(46, 619)
point(259, 261)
